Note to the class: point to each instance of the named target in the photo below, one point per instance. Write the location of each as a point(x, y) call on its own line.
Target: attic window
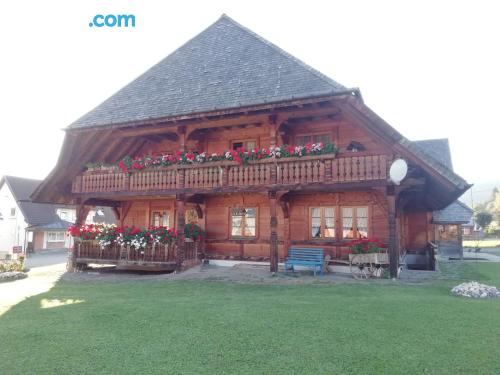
point(13, 212)
point(355, 147)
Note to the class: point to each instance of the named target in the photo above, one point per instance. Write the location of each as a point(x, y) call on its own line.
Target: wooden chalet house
point(228, 89)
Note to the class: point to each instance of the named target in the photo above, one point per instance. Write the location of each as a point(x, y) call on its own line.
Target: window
point(247, 144)
point(191, 216)
point(448, 232)
point(302, 140)
point(322, 222)
point(160, 218)
point(13, 211)
point(355, 147)
point(354, 222)
point(55, 236)
point(243, 222)
point(63, 215)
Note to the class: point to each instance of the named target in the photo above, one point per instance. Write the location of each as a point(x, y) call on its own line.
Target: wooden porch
point(155, 258)
point(230, 176)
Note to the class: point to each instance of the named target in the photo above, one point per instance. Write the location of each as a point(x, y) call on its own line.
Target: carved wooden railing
point(89, 250)
point(285, 171)
point(152, 253)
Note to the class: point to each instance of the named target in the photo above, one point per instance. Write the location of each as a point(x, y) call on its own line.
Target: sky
point(431, 69)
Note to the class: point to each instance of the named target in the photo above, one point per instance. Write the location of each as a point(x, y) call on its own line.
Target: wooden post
point(285, 207)
point(273, 127)
point(181, 132)
point(81, 215)
point(273, 241)
point(392, 243)
point(181, 223)
point(460, 241)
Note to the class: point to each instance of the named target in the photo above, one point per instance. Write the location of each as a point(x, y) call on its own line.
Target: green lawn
point(161, 327)
point(482, 243)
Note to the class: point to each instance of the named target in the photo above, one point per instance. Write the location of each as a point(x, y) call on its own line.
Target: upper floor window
point(248, 144)
point(304, 139)
point(160, 218)
point(243, 222)
point(355, 222)
point(355, 146)
point(322, 222)
point(63, 215)
point(13, 211)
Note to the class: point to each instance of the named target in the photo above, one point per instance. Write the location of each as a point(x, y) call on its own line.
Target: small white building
point(27, 226)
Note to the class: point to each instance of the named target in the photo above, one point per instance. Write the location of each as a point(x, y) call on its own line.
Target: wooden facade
point(283, 192)
point(256, 211)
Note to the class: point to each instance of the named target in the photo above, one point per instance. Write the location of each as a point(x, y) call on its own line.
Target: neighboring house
point(229, 89)
point(449, 233)
point(448, 221)
point(28, 226)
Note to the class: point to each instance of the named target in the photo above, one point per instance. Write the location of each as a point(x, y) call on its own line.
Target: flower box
point(378, 258)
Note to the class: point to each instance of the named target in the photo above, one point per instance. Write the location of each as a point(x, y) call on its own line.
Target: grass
point(161, 327)
point(482, 243)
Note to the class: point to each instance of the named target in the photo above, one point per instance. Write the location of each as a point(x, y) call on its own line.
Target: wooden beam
point(116, 212)
point(102, 202)
point(180, 200)
point(82, 212)
point(273, 240)
point(392, 242)
point(124, 210)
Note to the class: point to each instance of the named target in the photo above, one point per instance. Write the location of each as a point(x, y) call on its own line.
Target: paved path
point(481, 256)
point(45, 270)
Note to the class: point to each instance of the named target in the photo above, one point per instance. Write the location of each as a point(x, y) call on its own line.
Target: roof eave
point(176, 119)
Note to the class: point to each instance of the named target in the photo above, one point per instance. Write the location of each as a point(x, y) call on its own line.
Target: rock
point(12, 275)
point(474, 289)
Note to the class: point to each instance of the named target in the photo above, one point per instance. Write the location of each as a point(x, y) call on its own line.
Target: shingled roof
point(34, 213)
point(439, 149)
point(457, 212)
point(437, 152)
point(225, 66)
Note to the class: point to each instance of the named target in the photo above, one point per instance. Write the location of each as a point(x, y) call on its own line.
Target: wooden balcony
point(227, 175)
point(151, 258)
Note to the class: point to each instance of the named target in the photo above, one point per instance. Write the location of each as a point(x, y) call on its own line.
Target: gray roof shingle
point(439, 149)
point(43, 216)
point(34, 213)
point(457, 212)
point(58, 225)
point(225, 66)
point(437, 152)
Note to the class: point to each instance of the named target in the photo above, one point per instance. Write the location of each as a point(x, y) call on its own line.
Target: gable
point(21, 189)
point(225, 66)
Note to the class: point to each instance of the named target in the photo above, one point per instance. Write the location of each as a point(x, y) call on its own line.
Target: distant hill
point(481, 192)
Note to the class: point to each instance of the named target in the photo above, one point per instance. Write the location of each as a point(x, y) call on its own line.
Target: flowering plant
point(366, 245)
point(85, 232)
point(193, 231)
point(136, 237)
point(240, 155)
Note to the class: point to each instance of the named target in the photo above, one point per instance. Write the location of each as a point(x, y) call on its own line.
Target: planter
point(378, 258)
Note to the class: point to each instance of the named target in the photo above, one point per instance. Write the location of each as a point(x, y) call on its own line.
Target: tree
point(483, 219)
point(493, 206)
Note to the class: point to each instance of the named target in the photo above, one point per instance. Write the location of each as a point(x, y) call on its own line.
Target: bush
point(12, 265)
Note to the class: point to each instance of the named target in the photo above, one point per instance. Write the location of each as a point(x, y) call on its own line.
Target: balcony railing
point(268, 172)
point(152, 257)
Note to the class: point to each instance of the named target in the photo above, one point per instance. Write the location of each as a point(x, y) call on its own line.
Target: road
point(45, 270)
